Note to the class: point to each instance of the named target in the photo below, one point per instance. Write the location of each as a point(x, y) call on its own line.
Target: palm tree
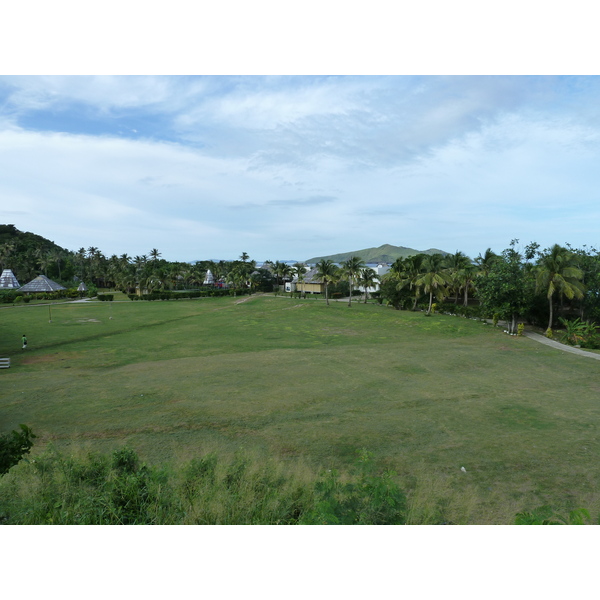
point(367, 278)
point(557, 272)
point(486, 261)
point(80, 260)
point(466, 277)
point(327, 273)
point(435, 277)
point(300, 269)
point(244, 257)
point(411, 275)
point(351, 269)
point(154, 255)
point(282, 271)
point(456, 263)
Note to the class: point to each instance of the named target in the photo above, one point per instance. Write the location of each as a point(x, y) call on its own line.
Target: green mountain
point(386, 254)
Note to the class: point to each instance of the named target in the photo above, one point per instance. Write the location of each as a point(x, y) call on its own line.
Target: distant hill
point(24, 241)
point(386, 254)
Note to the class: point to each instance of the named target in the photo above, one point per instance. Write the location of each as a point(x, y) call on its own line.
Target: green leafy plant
point(371, 499)
point(14, 446)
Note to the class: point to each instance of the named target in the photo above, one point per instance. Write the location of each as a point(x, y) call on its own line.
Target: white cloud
point(319, 164)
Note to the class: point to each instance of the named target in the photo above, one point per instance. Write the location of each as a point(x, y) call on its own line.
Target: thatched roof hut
point(41, 284)
point(8, 281)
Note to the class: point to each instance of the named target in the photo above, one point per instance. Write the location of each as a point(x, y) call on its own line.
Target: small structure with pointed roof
point(82, 287)
point(8, 281)
point(41, 284)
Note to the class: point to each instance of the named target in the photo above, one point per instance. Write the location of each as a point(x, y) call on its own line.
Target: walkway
point(542, 339)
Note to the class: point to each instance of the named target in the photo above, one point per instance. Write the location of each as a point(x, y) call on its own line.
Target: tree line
point(531, 284)
point(538, 286)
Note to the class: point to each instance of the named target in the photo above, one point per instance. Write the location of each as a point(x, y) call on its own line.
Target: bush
point(106, 297)
point(372, 499)
point(13, 446)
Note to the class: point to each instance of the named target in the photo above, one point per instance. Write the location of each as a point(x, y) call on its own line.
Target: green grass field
point(298, 380)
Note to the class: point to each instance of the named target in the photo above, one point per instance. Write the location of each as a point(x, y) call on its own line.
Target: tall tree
point(503, 289)
point(456, 263)
point(327, 273)
point(154, 255)
point(485, 262)
point(350, 269)
point(367, 278)
point(435, 278)
point(558, 274)
point(411, 276)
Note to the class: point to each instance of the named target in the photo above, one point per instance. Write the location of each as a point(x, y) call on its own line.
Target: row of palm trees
point(555, 274)
point(352, 270)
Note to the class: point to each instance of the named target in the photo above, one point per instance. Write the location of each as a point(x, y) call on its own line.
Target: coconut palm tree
point(435, 278)
point(557, 272)
point(327, 272)
point(466, 278)
point(350, 269)
point(486, 261)
point(456, 263)
point(367, 278)
point(282, 271)
point(411, 276)
point(300, 269)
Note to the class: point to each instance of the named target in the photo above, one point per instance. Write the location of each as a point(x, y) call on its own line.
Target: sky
point(291, 167)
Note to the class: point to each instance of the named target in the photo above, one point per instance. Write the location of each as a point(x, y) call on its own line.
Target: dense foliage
point(13, 446)
point(98, 489)
point(539, 287)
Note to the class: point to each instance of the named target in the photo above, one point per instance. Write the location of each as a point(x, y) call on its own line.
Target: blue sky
point(290, 167)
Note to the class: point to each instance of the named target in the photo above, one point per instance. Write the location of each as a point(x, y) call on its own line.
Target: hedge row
point(12, 296)
point(171, 295)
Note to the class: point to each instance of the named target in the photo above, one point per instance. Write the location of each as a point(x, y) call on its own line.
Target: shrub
point(13, 446)
point(372, 499)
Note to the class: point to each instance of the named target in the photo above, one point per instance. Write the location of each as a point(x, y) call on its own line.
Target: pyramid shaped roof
point(41, 284)
point(82, 287)
point(8, 280)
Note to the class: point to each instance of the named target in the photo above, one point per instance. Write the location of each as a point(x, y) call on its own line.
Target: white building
point(380, 269)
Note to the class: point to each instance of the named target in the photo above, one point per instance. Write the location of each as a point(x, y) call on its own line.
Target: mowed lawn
point(298, 379)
